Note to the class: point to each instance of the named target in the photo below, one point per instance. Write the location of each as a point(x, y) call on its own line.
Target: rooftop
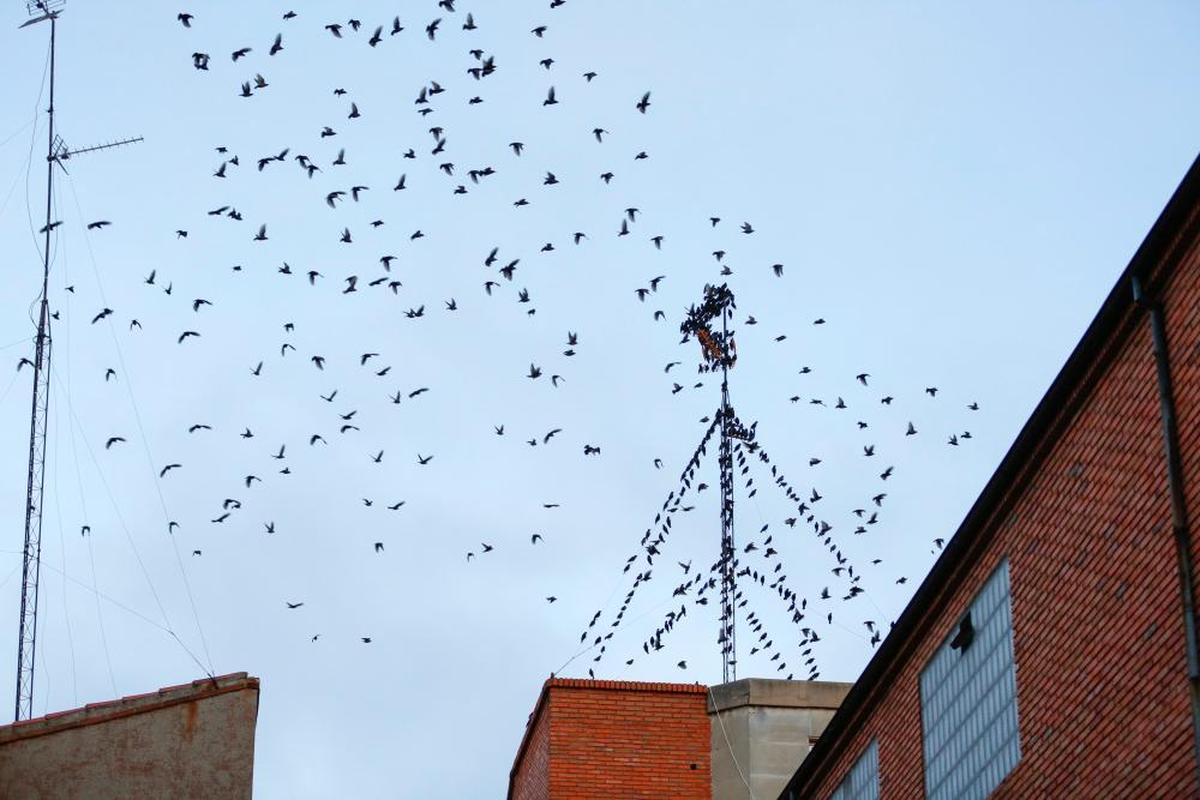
point(94, 713)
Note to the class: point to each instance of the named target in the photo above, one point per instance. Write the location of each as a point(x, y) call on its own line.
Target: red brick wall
point(610, 740)
point(531, 776)
point(1101, 675)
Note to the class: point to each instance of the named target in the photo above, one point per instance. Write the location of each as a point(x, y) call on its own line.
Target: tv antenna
point(57, 152)
point(719, 352)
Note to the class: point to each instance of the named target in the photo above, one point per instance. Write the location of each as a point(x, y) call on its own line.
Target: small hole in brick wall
point(692, 766)
point(1076, 469)
point(1120, 591)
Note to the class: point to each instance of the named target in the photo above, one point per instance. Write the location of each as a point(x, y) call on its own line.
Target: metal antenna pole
point(717, 349)
point(31, 566)
point(56, 153)
point(728, 636)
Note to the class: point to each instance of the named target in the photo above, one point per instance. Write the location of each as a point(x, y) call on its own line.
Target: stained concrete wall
point(194, 741)
point(762, 729)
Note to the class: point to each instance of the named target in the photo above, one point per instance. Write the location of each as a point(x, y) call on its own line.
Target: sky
point(952, 189)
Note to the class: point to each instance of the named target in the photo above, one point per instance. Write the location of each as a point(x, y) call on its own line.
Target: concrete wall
point(184, 742)
point(764, 728)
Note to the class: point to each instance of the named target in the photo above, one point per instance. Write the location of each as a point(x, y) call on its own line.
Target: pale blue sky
point(953, 188)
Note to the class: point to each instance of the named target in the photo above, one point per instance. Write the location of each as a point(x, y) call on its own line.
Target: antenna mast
point(719, 351)
point(32, 553)
point(56, 152)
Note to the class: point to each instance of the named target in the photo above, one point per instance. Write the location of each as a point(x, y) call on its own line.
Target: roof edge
point(946, 572)
point(130, 705)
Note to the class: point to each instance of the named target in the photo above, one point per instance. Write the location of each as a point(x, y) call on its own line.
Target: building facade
point(622, 740)
point(189, 742)
point(1051, 651)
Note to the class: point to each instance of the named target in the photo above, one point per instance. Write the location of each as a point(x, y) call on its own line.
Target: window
point(969, 699)
point(862, 781)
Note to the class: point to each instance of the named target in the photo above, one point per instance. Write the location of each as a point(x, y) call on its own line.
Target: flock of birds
point(756, 562)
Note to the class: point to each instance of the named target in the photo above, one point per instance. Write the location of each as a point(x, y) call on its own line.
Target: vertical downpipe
point(1179, 516)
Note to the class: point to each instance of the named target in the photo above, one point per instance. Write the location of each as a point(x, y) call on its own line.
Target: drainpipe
point(1179, 516)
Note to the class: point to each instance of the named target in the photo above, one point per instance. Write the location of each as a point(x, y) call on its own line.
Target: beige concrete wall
point(762, 730)
point(182, 743)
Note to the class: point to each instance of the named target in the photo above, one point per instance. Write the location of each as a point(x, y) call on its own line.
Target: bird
point(187, 335)
point(293, 605)
point(965, 634)
point(379, 547)
point(98, 224)
point(185, 18)
point(163, 473)
point(644, 103)
point(113, 440)
point(423, 460)
point(550, 98)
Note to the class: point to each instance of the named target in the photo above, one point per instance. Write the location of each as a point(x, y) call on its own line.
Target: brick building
point(622, 740)
point(1047, 653)
point(597, 739)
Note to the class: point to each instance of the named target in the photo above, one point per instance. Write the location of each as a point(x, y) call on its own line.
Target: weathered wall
point(761, 730)
point(1100, 661)
point(188, 742)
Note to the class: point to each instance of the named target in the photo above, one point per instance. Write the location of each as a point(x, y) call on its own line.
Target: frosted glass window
point(862, 781)
point(969, 700)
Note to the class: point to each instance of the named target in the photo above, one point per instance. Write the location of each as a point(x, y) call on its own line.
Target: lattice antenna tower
point(57, 152)
point(719, 352)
